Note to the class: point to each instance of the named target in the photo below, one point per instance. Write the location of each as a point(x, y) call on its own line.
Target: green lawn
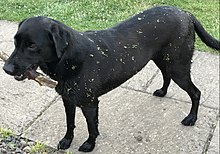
point(99, 14)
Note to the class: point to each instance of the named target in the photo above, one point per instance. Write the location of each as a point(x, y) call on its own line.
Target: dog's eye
point(31, 45)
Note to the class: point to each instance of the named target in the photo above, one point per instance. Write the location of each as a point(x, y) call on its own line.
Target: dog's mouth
point(20, 77)
point(25, 74)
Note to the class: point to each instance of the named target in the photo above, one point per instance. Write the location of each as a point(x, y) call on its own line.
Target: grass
point(38, 148)
point(99, 14)
point(4, 133)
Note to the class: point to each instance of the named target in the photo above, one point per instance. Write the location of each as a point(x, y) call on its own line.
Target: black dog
point(89, 64)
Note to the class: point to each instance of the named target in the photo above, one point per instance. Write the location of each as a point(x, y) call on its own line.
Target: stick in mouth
point(33, 75)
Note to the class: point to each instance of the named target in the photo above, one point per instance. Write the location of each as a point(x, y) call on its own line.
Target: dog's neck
point(48, 69)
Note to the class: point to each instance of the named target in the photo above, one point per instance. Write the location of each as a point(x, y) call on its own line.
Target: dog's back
point(123, 50)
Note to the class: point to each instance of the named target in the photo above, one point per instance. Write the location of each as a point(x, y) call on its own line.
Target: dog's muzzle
point(18, 75)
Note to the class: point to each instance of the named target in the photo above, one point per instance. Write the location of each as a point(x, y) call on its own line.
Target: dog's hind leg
point(91, 115)
point(184, 81)
point(180, 73)
point(161, 64)
point(70, 109)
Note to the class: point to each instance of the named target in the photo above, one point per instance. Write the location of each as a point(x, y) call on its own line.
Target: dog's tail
point(204, 35)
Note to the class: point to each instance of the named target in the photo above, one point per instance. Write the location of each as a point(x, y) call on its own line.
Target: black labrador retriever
point(89, 64)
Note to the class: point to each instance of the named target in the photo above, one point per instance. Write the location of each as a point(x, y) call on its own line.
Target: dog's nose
point(9, 68)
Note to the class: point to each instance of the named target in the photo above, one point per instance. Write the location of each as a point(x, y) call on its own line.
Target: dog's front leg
point(91, 115)
point(70, 110)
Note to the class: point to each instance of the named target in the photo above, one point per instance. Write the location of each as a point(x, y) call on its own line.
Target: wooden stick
point(3, 55)
point(34, 75)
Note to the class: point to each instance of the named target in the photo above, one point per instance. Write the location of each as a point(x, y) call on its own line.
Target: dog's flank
point(89, 64)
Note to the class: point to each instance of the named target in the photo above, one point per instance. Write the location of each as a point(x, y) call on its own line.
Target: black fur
point(89, 64)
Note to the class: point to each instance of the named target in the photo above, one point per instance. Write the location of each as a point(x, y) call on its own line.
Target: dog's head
point(38, 40)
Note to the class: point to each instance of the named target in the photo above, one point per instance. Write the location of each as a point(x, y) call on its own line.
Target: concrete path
point(131, 119)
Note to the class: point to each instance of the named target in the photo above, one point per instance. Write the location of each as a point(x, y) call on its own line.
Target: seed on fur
point(121, 60)
point(103, 53)
point(139, 18)
point(73, 67)
point(88, 95)
point(140, 32)
point(91, 80)
point(91, 55)
point(132, 58)
point(134, 46)
point(166, 57)
point(158, 20)
point(90, 40)
point(125, 47)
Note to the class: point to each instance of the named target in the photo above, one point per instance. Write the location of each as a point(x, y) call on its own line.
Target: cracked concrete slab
point(8, 30)
point(214, 145)
point(21, 102)
point(7, 47)
point(131, 122)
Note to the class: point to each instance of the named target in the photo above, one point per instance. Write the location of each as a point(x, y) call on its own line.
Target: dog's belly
point(122, 70)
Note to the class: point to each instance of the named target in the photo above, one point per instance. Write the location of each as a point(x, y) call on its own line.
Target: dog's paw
point(189, 120)
point(64, 144)
point(160, 93)
point(87, 147)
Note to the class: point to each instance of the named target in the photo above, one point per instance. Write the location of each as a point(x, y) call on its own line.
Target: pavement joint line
point(210, 136)
point(145, 92)
point(130, 88)
point(55, 99)
point(209, 107)
point(188, 102)
point(202, 103)
point(151, 80)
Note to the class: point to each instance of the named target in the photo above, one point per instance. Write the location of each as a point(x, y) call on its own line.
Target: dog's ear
point(59, 35)
point(19, 25)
